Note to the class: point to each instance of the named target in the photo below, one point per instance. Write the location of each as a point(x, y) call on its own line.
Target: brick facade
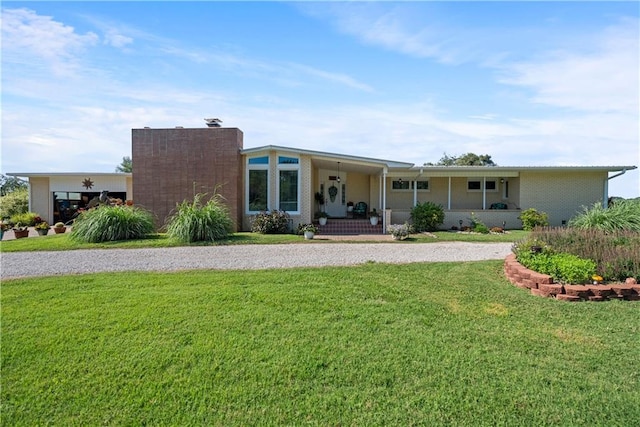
point(172, 165)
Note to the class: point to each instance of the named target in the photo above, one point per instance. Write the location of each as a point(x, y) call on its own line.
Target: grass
point(61, 242)
point(377, 344)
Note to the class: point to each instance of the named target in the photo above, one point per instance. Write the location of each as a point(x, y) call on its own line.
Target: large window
point(288, 184)
point(258, 184)
point(258, 190)
point(288, 190)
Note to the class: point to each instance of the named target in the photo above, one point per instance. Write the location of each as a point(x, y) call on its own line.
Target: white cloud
point(24, 33)
point(603, 78)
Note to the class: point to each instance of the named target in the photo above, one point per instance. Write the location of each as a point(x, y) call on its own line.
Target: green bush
point(111, 223)
point(621, 215)
point(274, 222)
point(14, 203)
point(28, 219)
point(198, 222)
point(426, 216)
point(531, 218)
point(563, 267)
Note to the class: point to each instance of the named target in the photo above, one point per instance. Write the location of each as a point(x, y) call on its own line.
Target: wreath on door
point(333, 191)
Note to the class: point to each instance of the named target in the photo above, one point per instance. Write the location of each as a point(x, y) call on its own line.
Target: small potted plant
point(20, 231)
point(4, 226)
point(308, 230)
point(42, 228)
point(374, 217)
point(59, 227)
point(322, 218)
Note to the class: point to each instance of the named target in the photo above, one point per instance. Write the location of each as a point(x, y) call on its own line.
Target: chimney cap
point(213, 123)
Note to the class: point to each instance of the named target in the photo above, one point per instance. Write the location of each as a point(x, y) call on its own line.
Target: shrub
point(199, 222)
point(274, 222)
point(427, 216)
point(531, 218)
point(621, 215)
point(28, 218)
point(111, 223)
point(14, 203)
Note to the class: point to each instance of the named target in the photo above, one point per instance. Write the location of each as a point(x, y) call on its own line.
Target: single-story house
point(172, 165)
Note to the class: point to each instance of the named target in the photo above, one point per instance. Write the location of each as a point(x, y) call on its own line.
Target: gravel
point(241, 257)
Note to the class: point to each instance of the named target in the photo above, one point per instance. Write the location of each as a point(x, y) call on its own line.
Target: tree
point(126, 166)
point(9, 184)
point(468, 159)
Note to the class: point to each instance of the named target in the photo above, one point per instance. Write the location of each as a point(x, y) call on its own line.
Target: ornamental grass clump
point(200, 222)
point(111, 223)
point(621, 215)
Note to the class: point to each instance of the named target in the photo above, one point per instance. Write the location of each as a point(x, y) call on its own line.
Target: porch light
point(338, 178)
point(460, 222)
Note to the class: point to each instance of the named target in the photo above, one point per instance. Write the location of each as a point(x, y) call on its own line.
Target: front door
point(335, 201)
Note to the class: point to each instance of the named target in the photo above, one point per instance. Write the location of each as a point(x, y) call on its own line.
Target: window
point(288, 193)
point(400, 185)
point(282, 160)
point(476, 185)
point(257, 198)
point(288, 184)
point(259, 160)
point(258, 190)
point(422, 185)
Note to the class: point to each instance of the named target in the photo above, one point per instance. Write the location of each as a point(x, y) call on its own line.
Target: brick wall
point(172, 165)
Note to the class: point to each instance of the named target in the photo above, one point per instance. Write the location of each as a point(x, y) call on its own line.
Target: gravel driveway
point(242, 257)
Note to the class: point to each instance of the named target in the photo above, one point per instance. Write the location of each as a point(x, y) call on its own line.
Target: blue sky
point(530, 83)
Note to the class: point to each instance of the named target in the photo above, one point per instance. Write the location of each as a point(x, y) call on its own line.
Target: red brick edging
point(542, 285)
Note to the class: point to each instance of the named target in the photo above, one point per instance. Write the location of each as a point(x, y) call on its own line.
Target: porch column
point(484, 193)
point(384, 199)
point(415, 193)
point(449, 196)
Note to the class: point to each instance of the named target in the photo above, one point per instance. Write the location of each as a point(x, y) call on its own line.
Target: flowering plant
point(399, 231)
point(307, 227)
point(42, 225)
point(20, 227)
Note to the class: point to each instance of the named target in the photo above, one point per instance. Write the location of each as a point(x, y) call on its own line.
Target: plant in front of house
point(274, 222)
point(42, 227)
point(28, 219)
point(621, 215)
point(427, 216)
point(195, 221)
point(306, 227)
point(477, 225)
point(111, 223)
point(399, 231)
point(531, 218)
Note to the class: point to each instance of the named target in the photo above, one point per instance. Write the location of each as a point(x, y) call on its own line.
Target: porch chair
point(360, 209)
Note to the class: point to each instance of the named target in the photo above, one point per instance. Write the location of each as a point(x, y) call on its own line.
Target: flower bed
point(542, 285)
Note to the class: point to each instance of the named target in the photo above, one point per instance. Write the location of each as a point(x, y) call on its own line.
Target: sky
point(529, 83)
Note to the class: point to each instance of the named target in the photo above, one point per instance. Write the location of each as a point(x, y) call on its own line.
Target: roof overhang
point(52, 174)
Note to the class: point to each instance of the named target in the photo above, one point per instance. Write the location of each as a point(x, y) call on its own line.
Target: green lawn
point(61, 242)
point(373, 345)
